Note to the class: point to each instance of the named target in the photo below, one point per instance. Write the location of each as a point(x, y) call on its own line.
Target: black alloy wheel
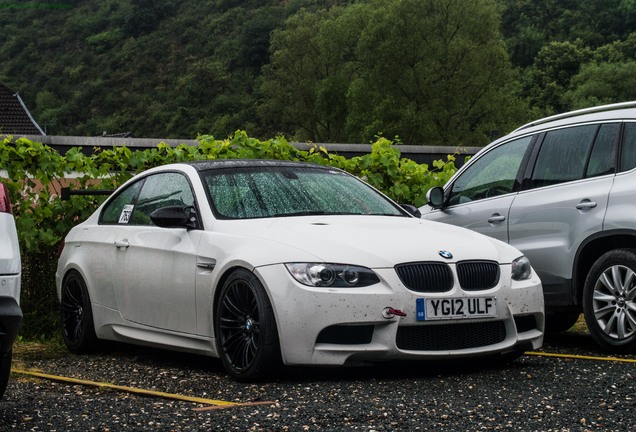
point(246, 331)
point(609, 301)
point(78, 329)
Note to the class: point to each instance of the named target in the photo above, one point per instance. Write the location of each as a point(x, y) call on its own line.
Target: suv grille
point(477, 275)
point(449, 337)
point(426, 276)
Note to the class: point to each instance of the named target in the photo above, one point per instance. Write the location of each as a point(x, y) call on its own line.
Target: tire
point(609, 301)
point(78, 329)
point(247, 337)
point(560, 322)
point(5, 371)
point(507, 358)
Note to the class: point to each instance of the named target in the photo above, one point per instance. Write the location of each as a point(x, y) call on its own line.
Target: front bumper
point(10, 320)
point(334, 326)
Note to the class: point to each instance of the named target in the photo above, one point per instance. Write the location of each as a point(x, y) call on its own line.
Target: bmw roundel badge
point(445, 254)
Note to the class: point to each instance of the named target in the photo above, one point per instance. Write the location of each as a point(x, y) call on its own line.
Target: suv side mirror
point(435, 197)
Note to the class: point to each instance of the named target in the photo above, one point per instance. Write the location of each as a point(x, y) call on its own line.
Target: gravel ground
point(534, 393)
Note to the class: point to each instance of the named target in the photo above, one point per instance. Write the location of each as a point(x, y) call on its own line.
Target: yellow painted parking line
point(581, 357)
point(144, 392)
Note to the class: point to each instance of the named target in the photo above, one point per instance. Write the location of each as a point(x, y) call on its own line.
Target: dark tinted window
point(563, 155)
point(628, 156)
point(603, 157)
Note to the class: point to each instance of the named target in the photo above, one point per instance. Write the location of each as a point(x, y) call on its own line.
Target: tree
point(312, 65)
point(549, 77)
point(528, 25)
point(430, 72)
point(591, 85)
point(433, 72)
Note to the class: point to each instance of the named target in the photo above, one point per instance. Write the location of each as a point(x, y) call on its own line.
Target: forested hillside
point(452, 72)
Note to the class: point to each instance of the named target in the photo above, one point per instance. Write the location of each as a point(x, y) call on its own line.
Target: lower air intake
point(449, 337)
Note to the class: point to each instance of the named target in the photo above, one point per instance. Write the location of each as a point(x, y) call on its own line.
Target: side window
point(492, 174)
point(628, 155)
point(119, 209)
point(563, 155)
point(161, 190)
point(134, 204)
point(603, 157)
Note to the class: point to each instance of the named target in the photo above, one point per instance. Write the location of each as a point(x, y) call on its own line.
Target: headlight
point(332, 275)
point(521, 269)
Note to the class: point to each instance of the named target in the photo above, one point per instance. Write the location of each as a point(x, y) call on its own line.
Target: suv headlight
point(521, 269)
point(332, 275)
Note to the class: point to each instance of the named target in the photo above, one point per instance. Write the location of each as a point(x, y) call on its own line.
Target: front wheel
point(609, 301)
point(247, 338)
point(78, 329)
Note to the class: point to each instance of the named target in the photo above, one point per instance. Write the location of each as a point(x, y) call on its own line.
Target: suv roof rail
point(601, 108)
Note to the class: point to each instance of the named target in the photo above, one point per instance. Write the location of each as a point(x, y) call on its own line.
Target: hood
point(371, 241)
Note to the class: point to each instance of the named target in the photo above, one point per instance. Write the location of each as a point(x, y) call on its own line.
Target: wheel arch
point(221, 281)
point(217, 293)
point(592, 249)
point(70, 268)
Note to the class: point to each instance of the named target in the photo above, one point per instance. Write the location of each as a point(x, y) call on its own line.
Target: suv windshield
point(261, 192)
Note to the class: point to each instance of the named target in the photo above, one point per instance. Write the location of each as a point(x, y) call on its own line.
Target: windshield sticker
point(125, 213)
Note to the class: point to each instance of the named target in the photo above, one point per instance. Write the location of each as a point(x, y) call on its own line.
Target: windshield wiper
point(333, 213)
point(302, 213)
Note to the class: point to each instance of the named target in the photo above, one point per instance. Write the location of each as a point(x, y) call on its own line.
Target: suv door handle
point(586, 205)
point(495, 218)
point(122, 243)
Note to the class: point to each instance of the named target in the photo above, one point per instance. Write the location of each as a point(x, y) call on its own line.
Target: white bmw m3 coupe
point(269, 263)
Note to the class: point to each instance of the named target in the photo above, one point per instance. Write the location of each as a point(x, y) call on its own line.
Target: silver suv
point(10, 271)
point(562, 190)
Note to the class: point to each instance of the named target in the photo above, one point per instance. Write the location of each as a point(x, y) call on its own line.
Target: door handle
point(496, 218)
point(586, 205)
point(122, 244)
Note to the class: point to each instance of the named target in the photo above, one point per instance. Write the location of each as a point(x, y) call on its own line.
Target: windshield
point(261, 192)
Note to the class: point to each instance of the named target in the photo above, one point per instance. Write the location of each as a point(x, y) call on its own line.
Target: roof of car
point(602, 112)
point(204, 165)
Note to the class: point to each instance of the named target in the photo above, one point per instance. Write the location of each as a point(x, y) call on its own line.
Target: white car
point(265, 262)
point(10, 274)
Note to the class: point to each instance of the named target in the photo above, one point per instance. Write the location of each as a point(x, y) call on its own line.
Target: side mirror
point(435, 197)
point(173, 217)
point(412, 210)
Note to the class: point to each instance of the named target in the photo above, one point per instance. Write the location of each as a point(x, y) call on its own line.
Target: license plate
point(455, 308)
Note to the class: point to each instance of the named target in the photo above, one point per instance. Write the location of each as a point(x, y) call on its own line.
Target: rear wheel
point(78, 329)
point(247, 338)
point(609, 301)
